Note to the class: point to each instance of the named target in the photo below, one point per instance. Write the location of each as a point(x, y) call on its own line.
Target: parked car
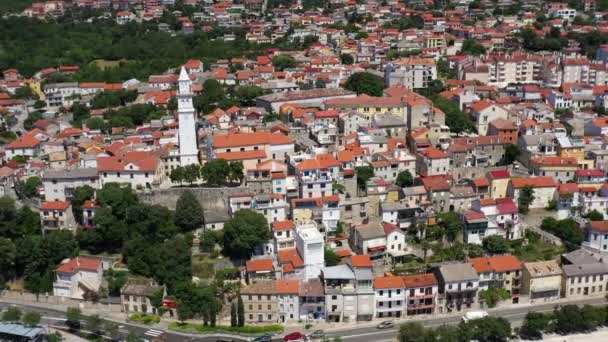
point(474, 315)
point(263, 338)
point(295, 336)
point(385, 325)
point(317, 334)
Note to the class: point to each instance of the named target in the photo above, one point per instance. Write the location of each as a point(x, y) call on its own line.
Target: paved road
point(515, 315)
point(57, 318)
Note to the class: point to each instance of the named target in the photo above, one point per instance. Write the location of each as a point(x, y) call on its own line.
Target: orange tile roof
point(28, 140)
point(242, 155)
point(361, 260)
point(55, 205)
point(290, 256)
point(145, 162)
point(322, 161)
point(388, 282)
point(497, 263)
point(481, 182)
point(259, 265)
point(555, 161)
point(249, 139)
point(419, 280)
point(290, 286)
point(481, 105)
point(601, 226)
point(433, 153)
point(535, 182)
point(283, 225)
point(79, 264)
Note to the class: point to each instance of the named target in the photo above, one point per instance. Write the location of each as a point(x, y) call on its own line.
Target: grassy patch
point(248, 330)
point(202, 267)
point(144, 319)
point(536, 249)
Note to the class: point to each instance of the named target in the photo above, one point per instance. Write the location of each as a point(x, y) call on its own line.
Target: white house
point(289, 300)
point(310, 246)
point(140, 169)
point(389, 296)
point(596, 239)
point(77, 276)
point(60, 185)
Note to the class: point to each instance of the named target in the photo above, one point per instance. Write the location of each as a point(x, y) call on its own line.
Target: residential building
point(135, 295)
point(389, 296)
point(542, 281)
point(78, 278)
point(585, 280)
point(432, 162)
point(458, 286)
point(261, 302)
point(312, 300)
point(288, 292)
point(283, 233)
point(317, 175)
point(421, 291)
point(56, 215)
point(500, 271)
point(60, 185)
point(596, 237)
point(140, 169)
point(544, 190)
point(310, 244)
point(413, 73)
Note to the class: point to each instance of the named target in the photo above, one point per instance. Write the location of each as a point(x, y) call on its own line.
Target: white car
point(474, 315)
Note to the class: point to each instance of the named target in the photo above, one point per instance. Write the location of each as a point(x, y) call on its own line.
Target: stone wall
point(209, 198)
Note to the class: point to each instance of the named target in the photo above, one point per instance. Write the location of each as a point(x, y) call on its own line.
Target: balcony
point(422, 296)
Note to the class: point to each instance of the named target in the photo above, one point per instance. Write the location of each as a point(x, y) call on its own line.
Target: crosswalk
point(153, 333)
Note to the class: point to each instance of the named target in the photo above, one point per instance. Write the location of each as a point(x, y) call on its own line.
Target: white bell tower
point(188, 147)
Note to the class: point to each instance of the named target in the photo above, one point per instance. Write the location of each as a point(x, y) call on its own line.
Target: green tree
point(347, 59)
point(116, 280)
point(569, 320)
point(457, 120)
point(283, 62)
point(80, 113)
point(567, 230)
point(489, 329)
point(534, 325)
point(472, 47)
point(451, 224)
point(11, 314)
point(188, 212)
point(214, 172)
point(244, 232)
point(526, 197)
point(412, 332)
point(246, 94)
point(511, 154)
point(177, 175)
point(331, 258)
point(594, 215)
point(25, 93)
point(81, 194)
point(492, 296)
point(94, 323)
point(8, 254)
point(73, 317)
point(365, 83)
point(235, 172)
point(495, 244)
point(364, 174)
point(97, 123)
point(117, 197)
point(39, 104)
point(405, 179)
point(241, 312)
point(192, 173)
point(30, 188)
point(233, 315)
point(32, 318)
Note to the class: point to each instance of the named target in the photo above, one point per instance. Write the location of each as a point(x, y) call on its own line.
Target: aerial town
point(303, 170)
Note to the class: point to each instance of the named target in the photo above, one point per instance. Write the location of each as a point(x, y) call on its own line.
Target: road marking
point(54, 318)
point(153, 332)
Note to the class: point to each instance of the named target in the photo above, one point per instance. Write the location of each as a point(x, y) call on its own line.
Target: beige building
point(542, 281)
point(585, 280)
point(260, 301)
point(135, 295)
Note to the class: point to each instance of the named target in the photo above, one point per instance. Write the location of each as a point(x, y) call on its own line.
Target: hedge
point(203, 329)
point(144, 319)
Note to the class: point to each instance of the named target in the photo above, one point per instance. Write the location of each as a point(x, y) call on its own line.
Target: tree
point(347, 59)
point(73, 317)
point(32, 319)
point(492, 296)
point(177, 175)
point(526, 197)
point(25, 93)
point(241, 312)
point(405, 179)
point(472, 47)
point(244, 232)
point(133, 337)
point(364, 174)
point(80, 113)
point(192, 173)
point(567, 230)
point(96, 123)
point(214, 172)
point(534, 325)
point(233, 315)
point(283, 62)
point(116, 280)
point(489, 329)
point(331, 258)
point(81, 194)
point(30, 188)
point(495, 244)
point(511, 154)
point(188, 212)
point(456, 119)
point(594, 215)
point(117, 197)
point(94, 324)
point(8, 253)
point(235, 172)
point(451, 224)
point(39, 104)
point(365, 83)
point(412, 332)
point(569, 320)
point(11, 314)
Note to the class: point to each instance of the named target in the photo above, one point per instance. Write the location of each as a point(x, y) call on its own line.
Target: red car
point(295, 336)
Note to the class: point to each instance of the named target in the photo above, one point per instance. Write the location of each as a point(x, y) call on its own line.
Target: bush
point(201, 328)
point(144, 319)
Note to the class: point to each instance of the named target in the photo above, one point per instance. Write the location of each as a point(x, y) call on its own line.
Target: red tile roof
point(361, 260)
point(497, 263)
point(322, 161)
point(28, 140)
point(290, 256)
point(79, 264)
point(433, 153)
point(290, 286)
point(500, 174)
point(283, 225)
point(260, 265)
point(590, 173)
point(601, 226)
point(535, 182)
point(419, 280)
point(242, 155)
point(388, 282)
point(249, 139)
point(55, 205)
point(143, 161)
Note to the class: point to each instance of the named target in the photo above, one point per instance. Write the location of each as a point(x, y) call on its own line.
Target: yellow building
point(370, 105)
point(542, 281)
point(499, 183)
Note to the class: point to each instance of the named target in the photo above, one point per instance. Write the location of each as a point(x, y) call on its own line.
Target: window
point(381, 292)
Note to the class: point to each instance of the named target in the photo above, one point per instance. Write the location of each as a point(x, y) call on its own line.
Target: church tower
point(188, 147)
